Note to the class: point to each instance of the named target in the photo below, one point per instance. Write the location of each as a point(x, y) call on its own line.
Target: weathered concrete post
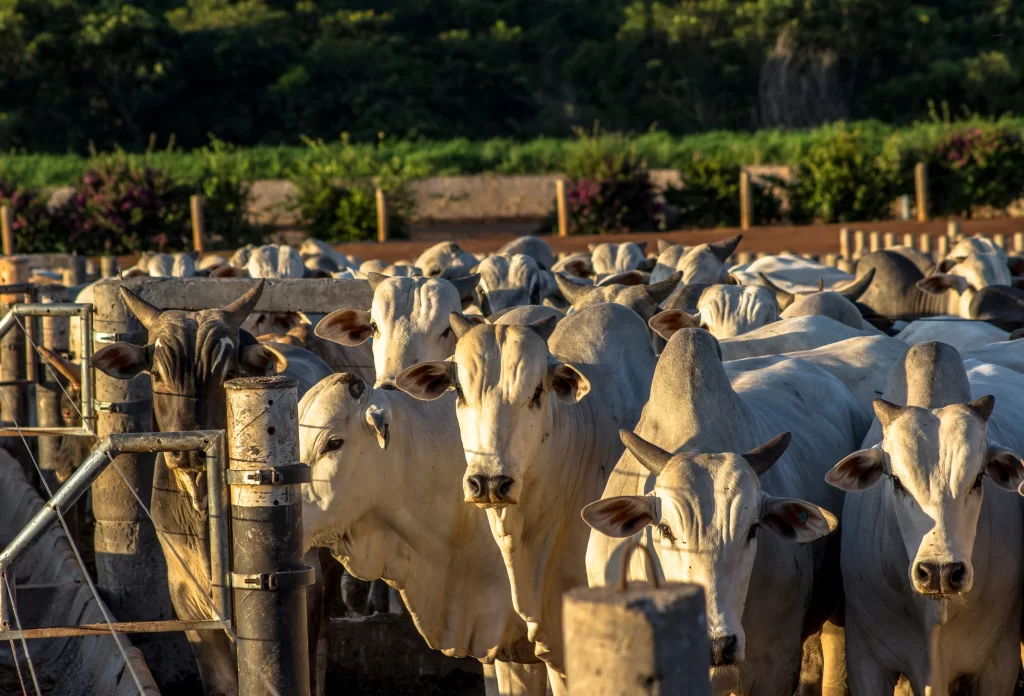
point(874, 241)
point(1000, 241)
point(1018, 242)
point(636, 641)
point(943, 248)
point(269, 576)
point(13, 271)
point(908, 240)
point(130, 567)
point(859, 243)
point(846, 242)
point(108, 266)
point(48, 390)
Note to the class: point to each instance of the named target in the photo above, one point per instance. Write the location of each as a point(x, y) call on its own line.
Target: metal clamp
point(123, 406)
point(281, 580)
point(281, 476)
point(136, 337)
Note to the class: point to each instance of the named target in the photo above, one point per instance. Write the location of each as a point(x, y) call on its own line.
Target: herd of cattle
point(732, 419)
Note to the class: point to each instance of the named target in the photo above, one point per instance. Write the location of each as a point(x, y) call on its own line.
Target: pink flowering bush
point(977, 167)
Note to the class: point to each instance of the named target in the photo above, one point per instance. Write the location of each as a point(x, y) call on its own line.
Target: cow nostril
point(477, 485)
point(502, 486)
point(723, 651)
point(958, 575)
point(923, 572)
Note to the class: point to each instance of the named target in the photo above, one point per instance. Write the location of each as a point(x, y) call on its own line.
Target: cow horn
point(375, 279)
point(763, 456)
point(653, 458)
point(239, 310)
point(572, 291)
point(140, 309)
point(661, 290)
point(466, 285)
point(724, 249)
point(821, 284)
point(544, 327)
point(460, 324)
point(71, 370)
point(855, 288)
point(781, 296)
point(886, 411)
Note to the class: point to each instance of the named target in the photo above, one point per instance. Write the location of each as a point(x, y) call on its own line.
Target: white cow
point(446, 260)
point(726, 311)
point(962, 334)
point(724, 514)
point(164, 265)
point(1006, 353)
point(703, 263)
point(314, 247)
point(642, 299)
point(932, 530)
point(539, 419)
point(786, 336)
point(507, 281)
point(578, 265)
point(792, 274)
point(617, 258)
point(275, 261)
point(383, 502)
point(979, 261)
point(408, 321)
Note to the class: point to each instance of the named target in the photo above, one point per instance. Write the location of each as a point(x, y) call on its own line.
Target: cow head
point(708, 511)
point(445, 260)
point(979, 261)
point(506, 282)
point(344, 427)
point(933, 464)
point(408, 321)
point(617, 258)
point(703, 263)
point(505, 378)
point(189, 355)
point(642, 299)
point(732, 310)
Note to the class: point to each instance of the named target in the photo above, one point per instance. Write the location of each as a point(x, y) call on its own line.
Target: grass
point(543, 155)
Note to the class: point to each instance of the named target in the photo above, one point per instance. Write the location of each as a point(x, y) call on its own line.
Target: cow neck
point(923, 304)
point(439, 554)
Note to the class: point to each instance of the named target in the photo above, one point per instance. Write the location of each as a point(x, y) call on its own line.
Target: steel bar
point(119, 627)
point(33, 431)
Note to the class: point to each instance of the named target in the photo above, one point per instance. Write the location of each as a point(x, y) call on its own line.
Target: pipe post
point(269, 577)
point(48, 390)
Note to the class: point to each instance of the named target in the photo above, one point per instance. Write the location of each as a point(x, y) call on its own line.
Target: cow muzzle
point(725, 651)
point(941, 579)
point(490, 491)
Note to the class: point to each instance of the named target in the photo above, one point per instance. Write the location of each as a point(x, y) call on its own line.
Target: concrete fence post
point(636, 641)
point(831, 260)
point(1018, 242)
point(925, 244)
point(908, 240)
point(268, 573)
point(130, 566)
point(953, 230)
point(888, 240)
point(874, 241)
point(1000, 241)
point(859, 243)
point(48, 390)
point(845, 243)
point(13, 367)
point(108, 267)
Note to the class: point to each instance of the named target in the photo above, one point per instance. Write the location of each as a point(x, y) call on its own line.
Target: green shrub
point(336, 191)
point(225, 184)
point(36, 230)
point(121, 208)
point(710, 197)
point(841, 178)
point(974, 168)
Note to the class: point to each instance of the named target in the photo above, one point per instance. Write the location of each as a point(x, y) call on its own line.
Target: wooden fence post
point(563, 208)
point(7, 229)
point(198, 223)
point(108, 266)
point(925, 243)
point(1018, 242)
point(874, 241)
point(382, 216)
point(831, 260)
point(859, 239)
point(845, 243)
point(904, 207)
point(636, 641)
point(908, 240)
point(746, 201)
point(1000, 241)
point(921, 189)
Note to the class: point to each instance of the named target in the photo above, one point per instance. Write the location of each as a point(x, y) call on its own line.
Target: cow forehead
point(936, 450)
point(710, 492)
point(731, 298)
point(335, 400)
point(421, 301)
point(513, 357)
point(195, 340)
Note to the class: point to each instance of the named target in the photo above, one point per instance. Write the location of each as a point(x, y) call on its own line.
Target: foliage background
point(117, 72)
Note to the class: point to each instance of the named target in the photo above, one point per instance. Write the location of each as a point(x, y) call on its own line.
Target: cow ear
point(858, 471)
point(378, 417)
point(941, 283)
point(349, 327)
point(763, 456)
point(622, 516)
point(785, 299)
point(462, 323)
point(427, 381)
point(122, 360)
point(466, 287)
point(796, 520)
point(671, 320)
point(544, 327)
point(261, 360)
point(943, 266)
point(567, 383)
point(1004, 468)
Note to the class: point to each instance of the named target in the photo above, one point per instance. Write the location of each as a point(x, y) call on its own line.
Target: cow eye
point(157, 379)
point(752, 534)
point(333, 445)
point(897, 486)
point(446, 333)
point(666, 533)
point(535, 400)
point(373, 328)
point(977, 483)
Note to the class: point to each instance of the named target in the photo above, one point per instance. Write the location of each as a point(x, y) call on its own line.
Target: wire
point(24, 643)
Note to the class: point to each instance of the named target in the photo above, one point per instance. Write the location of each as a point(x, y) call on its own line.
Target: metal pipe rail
point(57, 309)
point(211, 442)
